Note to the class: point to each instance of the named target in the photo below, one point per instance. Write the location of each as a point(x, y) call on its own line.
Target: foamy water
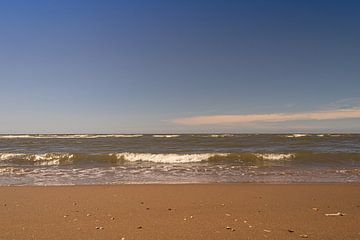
point(174, 158)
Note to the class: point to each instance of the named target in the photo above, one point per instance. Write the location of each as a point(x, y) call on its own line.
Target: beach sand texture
point(209, 211)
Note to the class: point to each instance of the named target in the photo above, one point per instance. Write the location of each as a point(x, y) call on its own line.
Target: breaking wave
point(70, 136)
point(296, 135)
point(165, 136)
point(221, 135)
point(48, 159)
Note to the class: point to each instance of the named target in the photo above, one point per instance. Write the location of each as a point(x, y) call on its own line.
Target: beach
point(181, 211)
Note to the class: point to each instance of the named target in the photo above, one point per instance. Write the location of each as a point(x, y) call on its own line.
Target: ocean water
point(181, 158)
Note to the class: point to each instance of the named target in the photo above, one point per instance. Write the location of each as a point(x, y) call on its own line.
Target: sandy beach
point(209, 211)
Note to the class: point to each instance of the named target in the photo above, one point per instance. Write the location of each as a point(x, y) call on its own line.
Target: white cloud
point(272, 117)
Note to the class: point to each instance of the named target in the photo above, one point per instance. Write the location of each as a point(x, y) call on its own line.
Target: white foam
point(275, 156)
point(71, 136)
point(165, 136)
point(7, 156)
point(38, 159)
point(221, 135)
point(296, 135)
point(168, 157)
point(15, 136)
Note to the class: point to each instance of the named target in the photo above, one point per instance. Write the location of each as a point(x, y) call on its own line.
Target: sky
point(117, 66)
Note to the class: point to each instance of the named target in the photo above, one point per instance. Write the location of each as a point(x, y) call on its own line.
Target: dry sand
point(209, 211)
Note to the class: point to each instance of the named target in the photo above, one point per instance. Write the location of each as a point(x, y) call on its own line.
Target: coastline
point(181, 211)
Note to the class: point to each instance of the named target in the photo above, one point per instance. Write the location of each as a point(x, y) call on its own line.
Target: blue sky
point(143, 66)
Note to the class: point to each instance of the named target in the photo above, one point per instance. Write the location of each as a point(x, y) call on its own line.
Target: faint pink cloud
point(272, 117)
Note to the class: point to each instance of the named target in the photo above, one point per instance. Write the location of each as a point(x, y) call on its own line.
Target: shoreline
point(181, 211)
point(183, 184)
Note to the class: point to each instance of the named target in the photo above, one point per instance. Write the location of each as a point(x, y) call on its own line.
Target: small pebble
point(112, 218)
point(88, 215)
point(227, 214)
point(304, 236)
point(315, 209)
point(266, 230)
point(122, 238)
point(147, 208)
point(139, 227)
point(169, 209)
point(141, 203)
point(230, 228)
point(290, 231)
point(100, 228)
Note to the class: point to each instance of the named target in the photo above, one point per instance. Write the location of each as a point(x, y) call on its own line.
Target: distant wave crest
point(70, 136)
point(166, 136)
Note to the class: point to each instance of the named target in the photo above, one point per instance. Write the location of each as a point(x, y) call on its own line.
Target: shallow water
point(199, 158)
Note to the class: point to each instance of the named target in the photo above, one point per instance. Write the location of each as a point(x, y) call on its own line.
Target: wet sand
point(209, 211)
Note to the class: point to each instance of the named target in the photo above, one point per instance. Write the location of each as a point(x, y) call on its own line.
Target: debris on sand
point(335, 214)
point(88, 215)
point(230, 228)
point(227, 214)
point(315, 209)
point(139, 227)
point(169, 209)
point(112, 218)
point(290, 231)
point(304, 236)
point(266, 230)
point(99, 228)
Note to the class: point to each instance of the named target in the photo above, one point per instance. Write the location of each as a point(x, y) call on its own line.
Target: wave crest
point(165, 136)
point(69, 136)
point(45, 159)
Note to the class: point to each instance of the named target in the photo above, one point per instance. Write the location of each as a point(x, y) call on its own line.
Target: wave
point(48, 159)
point(165, 136)
point(296, 135)
point(168, 157)
point(275, 156)
point(70, 136)
point(221, 135)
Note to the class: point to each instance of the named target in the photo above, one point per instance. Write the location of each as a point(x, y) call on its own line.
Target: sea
point(79, 159)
